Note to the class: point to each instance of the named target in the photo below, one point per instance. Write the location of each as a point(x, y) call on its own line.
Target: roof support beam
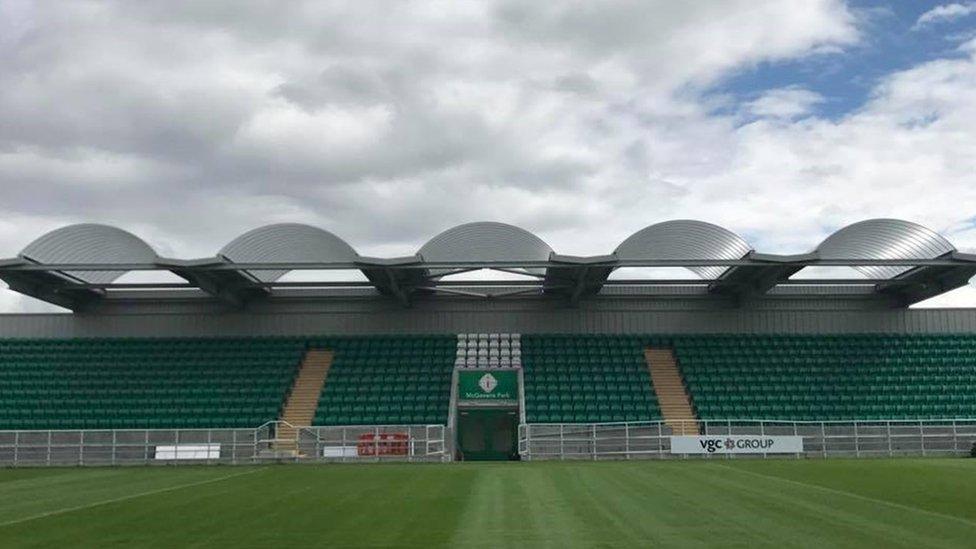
point(232, 287)
point(923, 283)
point(54, 287)
point(395, 288)
point(762, 275)
point(49, 289)
point(580, 286)
point(577, 277)
point(399, 277)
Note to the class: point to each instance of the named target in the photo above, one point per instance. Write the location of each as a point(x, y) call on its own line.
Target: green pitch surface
point(868, 503)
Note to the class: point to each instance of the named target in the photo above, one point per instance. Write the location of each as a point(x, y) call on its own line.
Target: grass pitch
point(865, 503)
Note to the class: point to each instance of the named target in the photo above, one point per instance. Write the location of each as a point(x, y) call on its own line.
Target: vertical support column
point(450, 442)
point(562, 441)
point(823, 439)
point(376, 443)
point(627, 441)
point(796, 433)
point(254, 454)
point(593, 441)
point(762, 432)
point(888, 429)
point(955, 437)
point(921, 435)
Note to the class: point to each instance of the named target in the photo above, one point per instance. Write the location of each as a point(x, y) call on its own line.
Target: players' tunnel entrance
point(487, 419)
point(487, 434)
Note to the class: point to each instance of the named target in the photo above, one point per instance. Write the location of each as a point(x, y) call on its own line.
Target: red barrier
point(383, 444)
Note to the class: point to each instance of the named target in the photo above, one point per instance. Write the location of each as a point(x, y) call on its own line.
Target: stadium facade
point(571, 331)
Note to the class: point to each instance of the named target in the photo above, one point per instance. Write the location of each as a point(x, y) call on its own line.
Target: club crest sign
point(488, 385)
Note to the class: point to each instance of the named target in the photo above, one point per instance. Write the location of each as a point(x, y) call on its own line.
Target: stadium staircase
point(672, 398)
point(303, 399)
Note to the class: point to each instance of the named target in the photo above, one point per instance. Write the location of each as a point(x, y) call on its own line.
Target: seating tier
point(144, 383)
point(387, 380)
point(586, 378)
point(830, 377)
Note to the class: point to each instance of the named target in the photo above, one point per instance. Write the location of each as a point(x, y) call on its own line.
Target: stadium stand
point(586, 378)
point(830, 377)
point(144, 383)
point(387, 380)
point(375, 380)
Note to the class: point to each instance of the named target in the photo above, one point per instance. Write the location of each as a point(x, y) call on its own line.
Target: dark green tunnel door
point(487, 434)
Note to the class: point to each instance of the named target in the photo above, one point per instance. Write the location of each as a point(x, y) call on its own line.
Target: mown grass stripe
point(127, 497)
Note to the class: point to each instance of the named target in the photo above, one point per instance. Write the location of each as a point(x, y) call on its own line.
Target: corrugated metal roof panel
point(685, 239)
point(90, 243)
point(486, 241)
point(287, 243)
point(884, 239)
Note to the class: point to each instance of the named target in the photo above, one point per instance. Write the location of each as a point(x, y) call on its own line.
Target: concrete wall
point(365, 314)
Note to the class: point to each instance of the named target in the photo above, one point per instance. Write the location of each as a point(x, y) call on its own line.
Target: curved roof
point(90, 243)
point(884, 239)
point(287, 243)
point(685, 239)
point(486, 241)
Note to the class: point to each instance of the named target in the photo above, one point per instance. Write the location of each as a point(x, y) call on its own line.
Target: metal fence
point(430, 443)
point(230, 446)
point(652, 440)
point(374, 443)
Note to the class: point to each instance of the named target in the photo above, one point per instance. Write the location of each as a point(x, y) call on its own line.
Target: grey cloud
point(191, 122)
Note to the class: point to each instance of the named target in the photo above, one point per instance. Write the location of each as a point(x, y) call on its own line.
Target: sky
point(189, 123)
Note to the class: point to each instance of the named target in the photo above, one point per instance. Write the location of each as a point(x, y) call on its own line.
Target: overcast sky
point(188, 123)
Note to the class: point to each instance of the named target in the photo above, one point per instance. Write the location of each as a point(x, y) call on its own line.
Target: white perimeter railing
point(369, 443)
point(429, 443)
point(652, 440)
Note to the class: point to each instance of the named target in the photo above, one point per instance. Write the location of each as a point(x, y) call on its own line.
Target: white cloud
point(945, 13)
point(789, 102)
point(386, 123)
